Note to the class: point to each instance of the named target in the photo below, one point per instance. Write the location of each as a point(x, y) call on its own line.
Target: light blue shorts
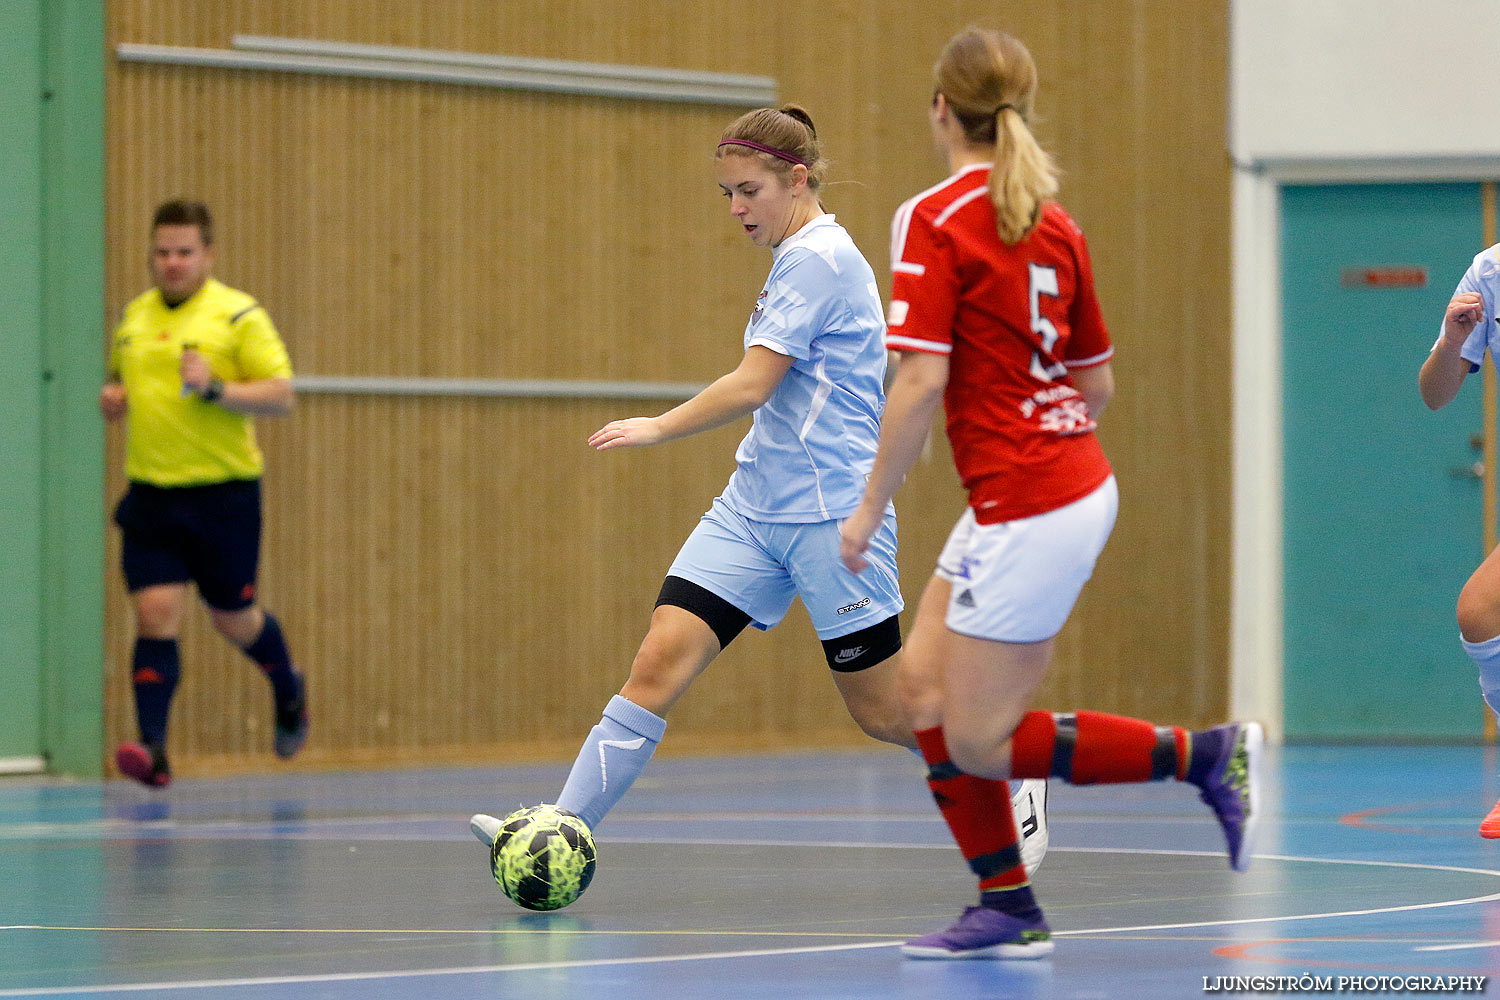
point(759, 566)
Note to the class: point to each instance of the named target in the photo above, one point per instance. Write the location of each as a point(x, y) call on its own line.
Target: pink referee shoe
point(138, 762)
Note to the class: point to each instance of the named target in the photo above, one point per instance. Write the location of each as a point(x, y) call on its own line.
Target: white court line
point(116, 828)
point(772, 952)
point(336, 827)
point(1456, 947)
point(346, 977)
point(343, 827)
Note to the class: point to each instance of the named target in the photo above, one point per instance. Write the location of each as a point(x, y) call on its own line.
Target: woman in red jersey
point(993, 309)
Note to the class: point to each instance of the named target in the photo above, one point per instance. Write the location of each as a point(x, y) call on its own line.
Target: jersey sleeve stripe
point(244, 312)
point(769, 345)
point(1097, 359)
point(916, 344)
point(904, 267)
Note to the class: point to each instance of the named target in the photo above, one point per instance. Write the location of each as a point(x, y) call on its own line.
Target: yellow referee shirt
point(177, 440)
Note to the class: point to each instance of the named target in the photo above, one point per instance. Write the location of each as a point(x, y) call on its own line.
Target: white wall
point(1364, 79)
point(1327, 91)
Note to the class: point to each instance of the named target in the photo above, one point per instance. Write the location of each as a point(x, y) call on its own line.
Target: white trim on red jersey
point(957, 204)
point(916, 344)
point(1097, 359)
point(901, 221)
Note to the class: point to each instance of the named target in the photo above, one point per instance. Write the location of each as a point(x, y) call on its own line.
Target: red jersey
point(1014, 320)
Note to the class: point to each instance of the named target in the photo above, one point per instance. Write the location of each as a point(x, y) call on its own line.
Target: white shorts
point(1017, 581)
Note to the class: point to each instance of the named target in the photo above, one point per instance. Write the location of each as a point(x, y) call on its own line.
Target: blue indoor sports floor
point(744, 877)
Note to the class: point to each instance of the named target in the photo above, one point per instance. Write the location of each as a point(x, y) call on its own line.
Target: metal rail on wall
point(496, 388)
point(394, 62)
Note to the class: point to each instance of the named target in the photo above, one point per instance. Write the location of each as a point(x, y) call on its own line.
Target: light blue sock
point(609, 762)
point(1486, 656)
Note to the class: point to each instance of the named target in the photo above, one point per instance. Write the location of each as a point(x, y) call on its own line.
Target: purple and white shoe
point(983, 932)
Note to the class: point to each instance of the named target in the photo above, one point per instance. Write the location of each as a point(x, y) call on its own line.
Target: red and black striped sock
point(978, 811)
point(1092, 748)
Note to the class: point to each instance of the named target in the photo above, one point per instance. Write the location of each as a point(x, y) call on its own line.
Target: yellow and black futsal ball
point(543, 857)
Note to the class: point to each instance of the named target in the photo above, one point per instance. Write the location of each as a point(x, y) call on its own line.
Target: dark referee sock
point(154, 669)
point(270, 654)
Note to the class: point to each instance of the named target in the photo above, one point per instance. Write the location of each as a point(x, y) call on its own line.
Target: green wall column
point(51, 326)
point(20, 382)
point(73, 321)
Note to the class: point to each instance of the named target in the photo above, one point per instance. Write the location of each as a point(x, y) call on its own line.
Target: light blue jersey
point(812, 444)
point(1483, 276)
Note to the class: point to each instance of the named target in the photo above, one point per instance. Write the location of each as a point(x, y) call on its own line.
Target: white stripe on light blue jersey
point(812, 444)
point(784, 290)
point(781, 292)
point(820, 397)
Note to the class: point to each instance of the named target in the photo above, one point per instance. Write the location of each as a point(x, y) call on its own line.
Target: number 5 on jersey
point(1044, 282)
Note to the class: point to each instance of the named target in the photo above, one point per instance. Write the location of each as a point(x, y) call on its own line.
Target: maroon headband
point(780, 154)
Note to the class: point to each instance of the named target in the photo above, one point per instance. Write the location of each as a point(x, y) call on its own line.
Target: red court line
point(1242, 952)
point(1360, 820)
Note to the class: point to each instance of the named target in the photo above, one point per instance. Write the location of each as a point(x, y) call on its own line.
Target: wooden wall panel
point(464, 578)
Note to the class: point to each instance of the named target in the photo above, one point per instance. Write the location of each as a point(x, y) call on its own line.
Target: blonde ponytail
point(1023, 178)
point(989, 80)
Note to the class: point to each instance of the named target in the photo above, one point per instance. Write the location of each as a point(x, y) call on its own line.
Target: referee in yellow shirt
point(194, 362)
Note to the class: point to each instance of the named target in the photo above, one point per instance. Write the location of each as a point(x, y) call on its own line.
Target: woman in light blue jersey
point(812, 378)
point(1468, 330)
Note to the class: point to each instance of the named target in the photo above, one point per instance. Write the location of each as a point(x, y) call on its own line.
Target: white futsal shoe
point(1030, 806)
point(485, 828)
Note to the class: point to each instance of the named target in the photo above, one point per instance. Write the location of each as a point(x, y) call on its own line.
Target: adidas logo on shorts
point(966, 599)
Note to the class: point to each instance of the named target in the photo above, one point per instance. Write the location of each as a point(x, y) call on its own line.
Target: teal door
point(1383, 515)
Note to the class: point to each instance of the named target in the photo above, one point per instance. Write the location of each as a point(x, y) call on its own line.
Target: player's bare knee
point(241, 627)
point(977, 753)
point(151, 624)
point(918, 694)
point(662, 671)
point(158, 614)
point(883, 720)
point(884, 725)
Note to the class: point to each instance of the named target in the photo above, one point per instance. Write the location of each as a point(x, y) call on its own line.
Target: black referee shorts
point(209, 535)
